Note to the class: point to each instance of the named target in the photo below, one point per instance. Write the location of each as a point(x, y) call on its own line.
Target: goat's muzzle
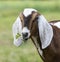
point(25, 36)
point(25, 33)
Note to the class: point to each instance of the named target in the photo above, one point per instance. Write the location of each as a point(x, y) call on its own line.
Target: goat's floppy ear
point(45, 31)
point(17, 28)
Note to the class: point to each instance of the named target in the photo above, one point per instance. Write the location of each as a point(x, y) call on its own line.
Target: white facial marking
point(28, 11)
point(57, 24)
point(26, 30)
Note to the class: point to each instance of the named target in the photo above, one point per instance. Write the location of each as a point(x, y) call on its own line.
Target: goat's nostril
point(25, 34)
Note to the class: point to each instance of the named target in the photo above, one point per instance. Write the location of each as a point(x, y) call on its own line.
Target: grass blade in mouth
point(18, 35)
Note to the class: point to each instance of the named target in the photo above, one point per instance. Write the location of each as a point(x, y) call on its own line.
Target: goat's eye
point(36, 18)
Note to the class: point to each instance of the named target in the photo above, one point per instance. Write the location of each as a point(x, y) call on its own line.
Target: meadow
point(9, 11)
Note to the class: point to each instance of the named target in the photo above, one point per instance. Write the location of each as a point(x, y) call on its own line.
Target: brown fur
point(22, 19)
point(52, 52)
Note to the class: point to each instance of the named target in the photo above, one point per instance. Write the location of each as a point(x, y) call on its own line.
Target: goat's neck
point(36, 39)
point(37, 43)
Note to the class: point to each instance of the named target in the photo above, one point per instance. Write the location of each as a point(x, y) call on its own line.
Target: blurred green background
point(9, 11)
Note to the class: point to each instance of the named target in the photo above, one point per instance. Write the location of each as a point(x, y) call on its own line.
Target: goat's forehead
point(28, 12)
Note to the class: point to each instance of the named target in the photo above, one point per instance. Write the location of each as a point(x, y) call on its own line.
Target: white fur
point(37, 46)
point(28, 11)
point(18, 42)
point(57, 24)
point(26, 30)
point(17, 28)
point(45, 31)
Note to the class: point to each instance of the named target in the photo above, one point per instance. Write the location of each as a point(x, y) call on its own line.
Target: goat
point(45, 35)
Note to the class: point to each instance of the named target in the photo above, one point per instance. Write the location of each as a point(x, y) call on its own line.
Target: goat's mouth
point(25, 39)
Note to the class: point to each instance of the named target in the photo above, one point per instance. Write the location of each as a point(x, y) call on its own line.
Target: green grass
point(18, 54)
point(9, 10)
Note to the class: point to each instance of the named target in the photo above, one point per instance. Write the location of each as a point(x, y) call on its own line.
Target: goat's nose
point(24, 35)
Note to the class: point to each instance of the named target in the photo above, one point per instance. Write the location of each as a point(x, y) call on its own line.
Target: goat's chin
point(25, 39)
